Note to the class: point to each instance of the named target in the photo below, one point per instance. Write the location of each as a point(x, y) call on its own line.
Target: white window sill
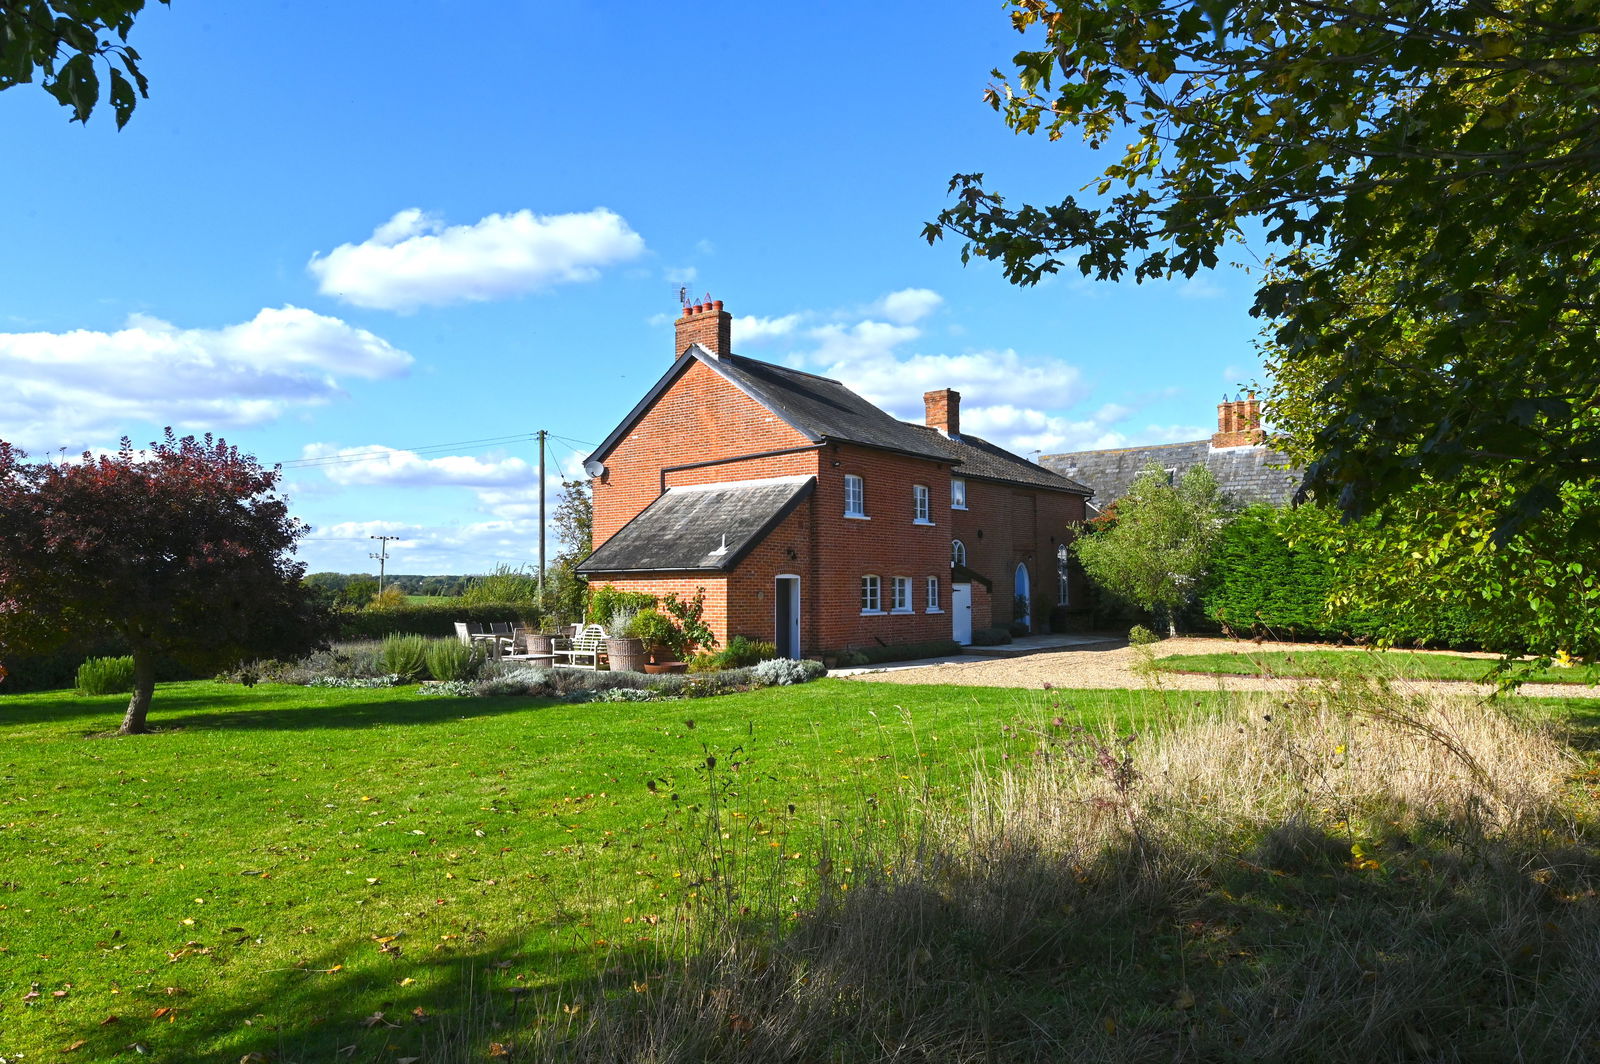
point(920, 521)
point(934, 609)
point(953, 506)
point(897, 613)
point(873, 613)
point(857, 517)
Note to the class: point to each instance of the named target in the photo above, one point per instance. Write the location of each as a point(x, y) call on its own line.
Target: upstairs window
point(855, 496)
point(871, 595)
point(958, 552)
point(958, 494)
point(902, 594)
point(921, 512)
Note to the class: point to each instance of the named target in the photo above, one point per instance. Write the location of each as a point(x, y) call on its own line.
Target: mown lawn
point(279, 865)
point(1331, 664)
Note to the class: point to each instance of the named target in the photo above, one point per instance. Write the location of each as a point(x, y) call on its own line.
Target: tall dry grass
point(1349, 874)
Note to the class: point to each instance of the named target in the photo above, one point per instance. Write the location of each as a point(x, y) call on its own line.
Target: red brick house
point(812, 518)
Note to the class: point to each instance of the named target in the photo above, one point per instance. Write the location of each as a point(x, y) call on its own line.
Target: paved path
point(1109, 663)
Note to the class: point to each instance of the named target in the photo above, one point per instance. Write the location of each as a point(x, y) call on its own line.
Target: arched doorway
point(1021, 589)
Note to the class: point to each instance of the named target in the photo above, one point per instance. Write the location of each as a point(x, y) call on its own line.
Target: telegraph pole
point(382, 556)
point(541, 434)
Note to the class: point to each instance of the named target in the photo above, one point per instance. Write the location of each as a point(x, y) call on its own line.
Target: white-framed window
point(902, 594)
point(933, 595)
point(855, 496)
point(921, 511)
point(958, 552)
point(958, 494)
point(871, 594)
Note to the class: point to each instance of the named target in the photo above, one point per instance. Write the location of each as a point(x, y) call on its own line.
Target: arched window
point(958, 552)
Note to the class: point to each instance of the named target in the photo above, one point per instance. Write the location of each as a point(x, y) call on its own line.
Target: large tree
point(1453, 145)
point(184, 550)
point(59, 41)
point(1153, 551)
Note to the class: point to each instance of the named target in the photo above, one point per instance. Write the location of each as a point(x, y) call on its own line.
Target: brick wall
point(701, 417)
point(1004, 526)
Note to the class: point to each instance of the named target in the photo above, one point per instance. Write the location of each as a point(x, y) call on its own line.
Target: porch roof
point(709, 527)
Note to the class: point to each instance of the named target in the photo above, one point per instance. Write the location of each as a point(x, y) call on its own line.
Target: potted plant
point(625, 650)
point(662, 638)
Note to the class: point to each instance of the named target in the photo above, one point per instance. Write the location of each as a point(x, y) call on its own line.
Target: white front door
point(961, 613)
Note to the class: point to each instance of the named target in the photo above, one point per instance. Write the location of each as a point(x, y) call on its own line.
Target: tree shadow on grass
point(260, 709)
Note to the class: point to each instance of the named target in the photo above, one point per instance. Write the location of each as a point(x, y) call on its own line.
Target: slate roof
point(824, 410)
point(708, 528)
point(1252, 474)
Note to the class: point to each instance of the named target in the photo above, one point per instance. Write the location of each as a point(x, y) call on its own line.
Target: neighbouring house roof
point(823, 410)
point(982, 460)
point(707, 527)
point(1249, 474)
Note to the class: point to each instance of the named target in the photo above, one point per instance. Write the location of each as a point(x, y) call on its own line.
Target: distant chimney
point(943, 411)
point(706, 324)
point(1238, 422)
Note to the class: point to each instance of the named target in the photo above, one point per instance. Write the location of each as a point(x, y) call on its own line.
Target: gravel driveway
point(1111, 665)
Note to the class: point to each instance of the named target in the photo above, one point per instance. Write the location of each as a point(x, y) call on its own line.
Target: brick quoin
point(704, 430)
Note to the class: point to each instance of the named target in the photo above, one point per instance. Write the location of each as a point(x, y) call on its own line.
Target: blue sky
point(421, 231)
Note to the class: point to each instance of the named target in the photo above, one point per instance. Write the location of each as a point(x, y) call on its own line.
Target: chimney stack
point(943, 411)
point(1239, 422)
point(706, 324)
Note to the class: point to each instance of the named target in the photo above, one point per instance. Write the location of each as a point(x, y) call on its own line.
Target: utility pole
point(382, 556)
point(541, 434)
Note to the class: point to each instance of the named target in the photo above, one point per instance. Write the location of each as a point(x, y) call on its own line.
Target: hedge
point(436, 619)
point(1259, 582)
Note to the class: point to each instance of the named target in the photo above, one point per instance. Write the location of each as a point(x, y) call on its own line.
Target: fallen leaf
point(109, 1020)
point(79, 1044)
point(1185, 999)
point(375, 1019)
point(165, 1011)
point(499, 1049)
point(58, 993)
point(407, 981)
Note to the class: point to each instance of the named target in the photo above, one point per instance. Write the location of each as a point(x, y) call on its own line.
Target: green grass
point(226, 886)
point(1330, 664)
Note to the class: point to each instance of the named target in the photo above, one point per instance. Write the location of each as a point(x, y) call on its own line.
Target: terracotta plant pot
point(657, 667)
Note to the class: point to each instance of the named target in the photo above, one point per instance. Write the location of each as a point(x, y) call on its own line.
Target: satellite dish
point(594, 468)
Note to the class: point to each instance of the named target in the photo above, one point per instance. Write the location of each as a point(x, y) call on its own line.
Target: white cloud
point(76, 388)
point(984, 378)
point(754, 330)
point(1200, 286)
point(908, 305)
point(681, 275)
point(415, 260)
point(387, 466)
point(1023, 430)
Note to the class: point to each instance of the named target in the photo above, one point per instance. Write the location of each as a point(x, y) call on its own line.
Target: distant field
point(1329, 664)
point(425, 600)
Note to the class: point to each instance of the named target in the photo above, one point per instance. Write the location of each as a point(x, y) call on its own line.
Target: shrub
point(357, 660)
point(436, 619)
point(527, 680)
point(389, 598)
point(105, 676)
point(451, 659)
point(1017, 628)
point(740, 653)
point(448, 689)
point(405, 655)
point(507, 583)
point(1140, 636)
point(779, 672)
point(990, 637)
point(619, 622)
point(356, 683)
point(606, 600)
point(655, 629)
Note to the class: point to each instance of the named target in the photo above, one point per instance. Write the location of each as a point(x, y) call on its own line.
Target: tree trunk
point(144, 685)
